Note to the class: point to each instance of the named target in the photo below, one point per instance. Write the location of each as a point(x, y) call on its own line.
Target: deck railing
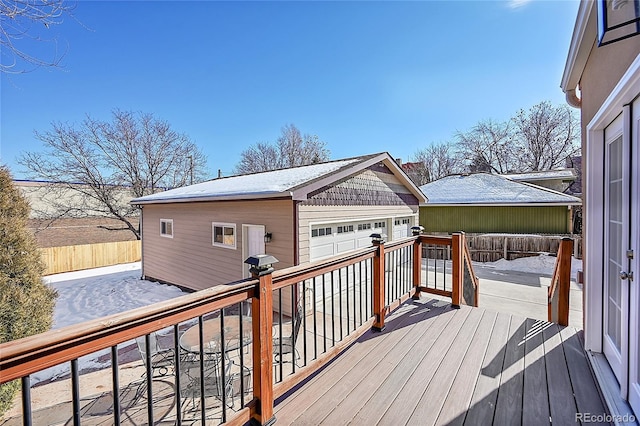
point(297, 319)
point(558, 294)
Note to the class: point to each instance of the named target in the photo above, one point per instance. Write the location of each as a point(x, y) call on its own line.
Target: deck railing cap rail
point(145, 314)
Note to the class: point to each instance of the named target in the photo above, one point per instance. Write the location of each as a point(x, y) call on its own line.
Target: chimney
point(399, 161)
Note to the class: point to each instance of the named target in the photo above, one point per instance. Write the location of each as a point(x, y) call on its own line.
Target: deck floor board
point(435, 365)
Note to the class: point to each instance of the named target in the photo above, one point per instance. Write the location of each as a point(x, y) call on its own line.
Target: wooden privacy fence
point(86, 256)
point(491, 247)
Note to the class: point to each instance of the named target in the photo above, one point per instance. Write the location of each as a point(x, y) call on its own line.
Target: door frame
point(245, 245)
point(623, 94)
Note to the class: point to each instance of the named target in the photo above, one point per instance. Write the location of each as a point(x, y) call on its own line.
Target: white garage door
point(336, 238)
point(402, 227)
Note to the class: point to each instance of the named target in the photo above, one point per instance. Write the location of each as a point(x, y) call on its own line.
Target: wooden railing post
point(564, 280)
point(417, 266)
point(379, 310)
point(457, 271)
point(262, 314)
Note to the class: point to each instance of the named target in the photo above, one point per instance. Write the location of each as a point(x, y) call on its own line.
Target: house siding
point(605, 67)
point(190, 260)
point(508, 219)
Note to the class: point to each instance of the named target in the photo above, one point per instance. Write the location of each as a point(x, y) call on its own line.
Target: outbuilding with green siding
point(486, 203)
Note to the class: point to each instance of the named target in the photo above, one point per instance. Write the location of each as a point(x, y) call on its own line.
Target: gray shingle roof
point(482, 188)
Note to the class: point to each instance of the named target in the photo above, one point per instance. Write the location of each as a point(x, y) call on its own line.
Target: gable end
point(377, 185)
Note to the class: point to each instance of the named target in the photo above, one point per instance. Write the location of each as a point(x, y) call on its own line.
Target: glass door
point(616, 223)
point(634, 265)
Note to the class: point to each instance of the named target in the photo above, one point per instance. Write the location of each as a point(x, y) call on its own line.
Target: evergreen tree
point(26, 303)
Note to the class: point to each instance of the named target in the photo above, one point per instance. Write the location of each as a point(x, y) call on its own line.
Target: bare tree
point(434, 162)
point(25, 21)
point(547, 136)
point(489, 146)
point(292, 149)
point(95, 168)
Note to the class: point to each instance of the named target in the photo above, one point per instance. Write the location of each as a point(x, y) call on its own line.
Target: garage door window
point(344, 229)
point(321, 232)
point(364, 226)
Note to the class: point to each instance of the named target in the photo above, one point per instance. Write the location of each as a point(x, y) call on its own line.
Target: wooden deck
point(437, 365)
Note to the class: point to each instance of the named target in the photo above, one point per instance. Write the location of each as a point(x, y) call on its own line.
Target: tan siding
point(605, 67)
point(319, 214)
point(189, 258)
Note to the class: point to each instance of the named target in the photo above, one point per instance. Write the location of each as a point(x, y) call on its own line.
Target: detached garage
point(199, 236)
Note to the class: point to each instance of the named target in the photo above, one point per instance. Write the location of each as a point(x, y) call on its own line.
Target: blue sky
point(363, 76)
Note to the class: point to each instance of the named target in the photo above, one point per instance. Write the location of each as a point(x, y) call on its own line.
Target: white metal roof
point(482, 188)
point(293, 182)
point(257, 185)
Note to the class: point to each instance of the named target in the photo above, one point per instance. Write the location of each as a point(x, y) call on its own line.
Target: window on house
point(379, 225)
point(405, 221)
point(224, 235)
point(166, 228)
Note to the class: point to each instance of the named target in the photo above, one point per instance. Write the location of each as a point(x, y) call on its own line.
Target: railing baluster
point(353, 271)
point(304, 320)
point(27, 419)
point(333, 314)
point(346, 292)
point(201, 361)
point(324, 315)
point(294, 314)
point(176, 369)
point(360, 289)
point(280, 339)
point(315, 321)
point(340, 298)
point(223, 368)
point(241, 353)
point(148, 377)
point(115, 381)
point(75, 391)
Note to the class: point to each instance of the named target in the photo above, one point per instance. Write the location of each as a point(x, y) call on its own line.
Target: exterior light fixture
point(617, 20)
point(417, 230)
point(261, 264)
point(378, 238)
point(267, 237)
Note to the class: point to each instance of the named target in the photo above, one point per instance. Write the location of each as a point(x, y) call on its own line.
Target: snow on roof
point(482, 188)
point(256, 185)
point(564, 174)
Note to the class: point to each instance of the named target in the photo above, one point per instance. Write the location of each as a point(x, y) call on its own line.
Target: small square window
point(224, 235)
point(166, 228)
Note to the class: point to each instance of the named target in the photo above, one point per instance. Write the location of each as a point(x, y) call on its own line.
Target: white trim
point(624, 92)
point(634, 297)
point(164, 234)
point(582, 42)
point(245, 245)
point(224, 225)
point(617, 407)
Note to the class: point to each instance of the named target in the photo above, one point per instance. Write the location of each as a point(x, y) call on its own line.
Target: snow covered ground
point(94, 293)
